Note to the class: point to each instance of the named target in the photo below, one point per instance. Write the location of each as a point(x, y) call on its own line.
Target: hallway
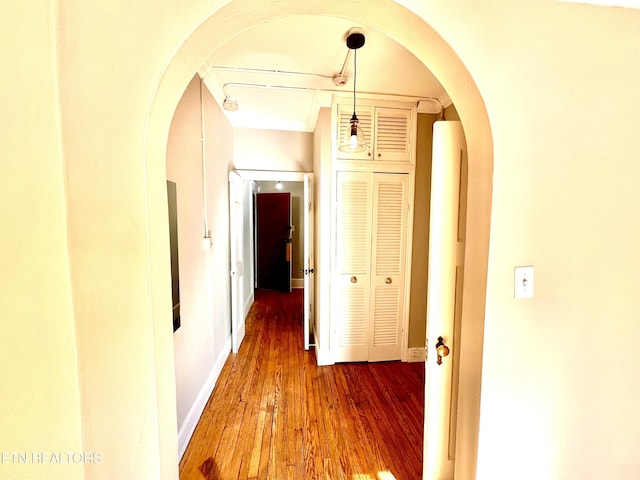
point(274, 414)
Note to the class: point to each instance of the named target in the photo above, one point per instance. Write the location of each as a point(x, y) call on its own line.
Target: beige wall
point(559, 83)
point(553, 404)
point(202, 342)
point(40, 397)
point(256, 149)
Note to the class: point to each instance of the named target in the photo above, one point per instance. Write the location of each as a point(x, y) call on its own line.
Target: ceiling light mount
point(355, 38)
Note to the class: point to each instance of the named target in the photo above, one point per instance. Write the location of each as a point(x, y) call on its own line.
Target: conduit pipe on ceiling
point(261, 70)
point(415, 98)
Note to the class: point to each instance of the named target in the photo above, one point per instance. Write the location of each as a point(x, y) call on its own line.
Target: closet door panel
point(351, 313)
point(392, 134)
point(353, 222)
point(352, 279)
point(390, 209)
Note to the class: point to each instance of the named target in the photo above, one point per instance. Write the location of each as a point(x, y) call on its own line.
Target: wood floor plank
point(275, 415)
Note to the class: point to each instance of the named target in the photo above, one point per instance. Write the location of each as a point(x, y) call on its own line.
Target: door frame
point(288, 176)
point(237, 262)
point(263, 249)
point(409, 29)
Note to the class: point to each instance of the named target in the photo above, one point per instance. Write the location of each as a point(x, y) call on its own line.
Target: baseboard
point(195, 412)
point(247, 304)
point(416, 354)
point(323, 357)
point(297, 283)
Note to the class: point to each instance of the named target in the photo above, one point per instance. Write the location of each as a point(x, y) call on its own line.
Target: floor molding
point(247, 304)
point(189, 425)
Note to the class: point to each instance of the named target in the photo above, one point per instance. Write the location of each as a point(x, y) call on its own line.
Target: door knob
point(441, 350)
point(354, 279)
point(387, 280)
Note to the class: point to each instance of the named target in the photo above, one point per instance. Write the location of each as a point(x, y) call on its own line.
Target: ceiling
point(281, 72)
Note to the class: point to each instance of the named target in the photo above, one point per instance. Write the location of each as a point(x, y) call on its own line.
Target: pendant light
point(353, 137)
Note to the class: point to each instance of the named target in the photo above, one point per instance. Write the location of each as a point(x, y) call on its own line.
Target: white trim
point(445, 100)
point(323, 356)
point(297, 283)
point(191, 420)
point(432, 106)
point(247, 305)
point(266, 175)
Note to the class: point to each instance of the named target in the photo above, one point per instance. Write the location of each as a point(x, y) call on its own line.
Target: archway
point(419, 38)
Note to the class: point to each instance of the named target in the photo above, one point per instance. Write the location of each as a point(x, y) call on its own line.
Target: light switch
point(524, 282)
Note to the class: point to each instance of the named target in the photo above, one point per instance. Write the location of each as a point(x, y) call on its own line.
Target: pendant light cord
point(355, 76)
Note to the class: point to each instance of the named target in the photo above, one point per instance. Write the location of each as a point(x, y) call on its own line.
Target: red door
point(273, 222)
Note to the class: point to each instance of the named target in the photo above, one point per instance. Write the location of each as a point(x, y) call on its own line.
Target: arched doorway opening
point(419, 38)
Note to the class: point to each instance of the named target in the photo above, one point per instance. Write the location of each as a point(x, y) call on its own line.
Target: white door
point(236, 236)
point(390, 214)
point(446, 253)
point(351, 279)
point(307, 260)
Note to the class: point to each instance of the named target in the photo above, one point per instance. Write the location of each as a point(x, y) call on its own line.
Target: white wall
point(202, 343)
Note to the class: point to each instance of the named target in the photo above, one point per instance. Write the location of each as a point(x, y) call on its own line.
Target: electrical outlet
point(417, 354)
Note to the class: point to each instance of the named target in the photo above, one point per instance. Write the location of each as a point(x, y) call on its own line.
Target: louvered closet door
point(392, 135)
point(351, 291)
point(390, 211)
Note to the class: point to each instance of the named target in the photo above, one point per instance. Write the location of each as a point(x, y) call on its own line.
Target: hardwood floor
point(274, 414)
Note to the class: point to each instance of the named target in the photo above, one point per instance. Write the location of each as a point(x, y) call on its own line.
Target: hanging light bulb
point(353, 140)
point(356, 137)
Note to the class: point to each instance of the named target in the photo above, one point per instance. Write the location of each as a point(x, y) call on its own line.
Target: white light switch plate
point(524, 282)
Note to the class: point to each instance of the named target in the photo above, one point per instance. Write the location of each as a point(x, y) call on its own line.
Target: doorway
point(290, 256)
point(410, 30)
point(274, 243)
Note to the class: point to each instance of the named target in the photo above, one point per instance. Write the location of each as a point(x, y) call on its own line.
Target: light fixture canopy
point(353, 138)
point(230, 104)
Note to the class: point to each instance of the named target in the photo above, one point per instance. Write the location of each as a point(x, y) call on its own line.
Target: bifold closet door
point(352, 279)
point(389, 240)
point(369, 281)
